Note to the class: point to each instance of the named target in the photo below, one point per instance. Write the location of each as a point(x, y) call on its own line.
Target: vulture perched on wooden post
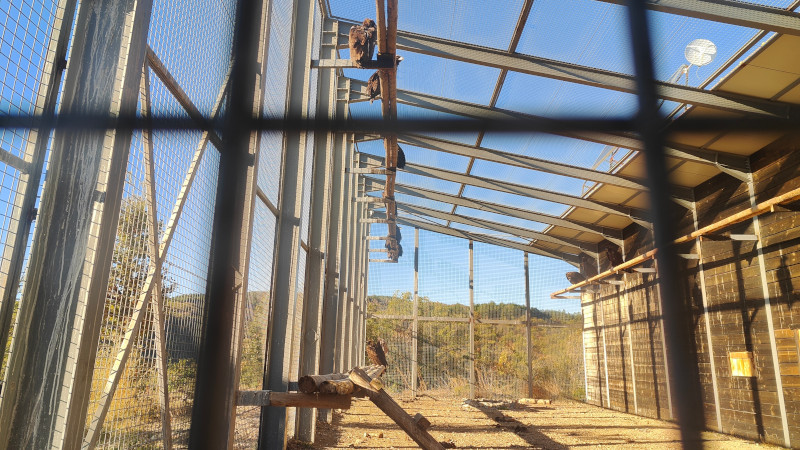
point(362, 42)
point(376, 353)
point(374, 86)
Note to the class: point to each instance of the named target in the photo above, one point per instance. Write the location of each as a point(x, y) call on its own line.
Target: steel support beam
point(727, 11)
point(319, 234)
point(471, 321)
point(765, 292)
point(287, 248)
point(567, 257)
point(726, 162)
point(330, 296)
point(611, 235)
point(573, 73)
point(525, 162)
point(634, 214)
point(51, 364)
point(524, 233)
point(30, 167)
point(348, 217)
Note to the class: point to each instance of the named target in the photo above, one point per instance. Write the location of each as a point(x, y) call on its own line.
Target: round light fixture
point(700, 52)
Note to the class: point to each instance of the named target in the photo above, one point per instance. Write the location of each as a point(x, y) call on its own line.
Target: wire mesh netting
point(253, 351)
point(500, 343)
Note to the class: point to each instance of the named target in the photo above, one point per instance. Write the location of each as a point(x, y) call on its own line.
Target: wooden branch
point(386, 404)
point(293, 399)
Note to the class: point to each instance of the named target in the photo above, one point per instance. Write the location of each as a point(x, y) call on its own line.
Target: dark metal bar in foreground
point(684, 380)
point(215, 389)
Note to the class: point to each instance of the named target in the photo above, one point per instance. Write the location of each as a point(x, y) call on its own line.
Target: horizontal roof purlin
point(589, 76)
point(726, 11)
point(721, 160)
point(568, 257)
point(637, 215)
point(612, 235)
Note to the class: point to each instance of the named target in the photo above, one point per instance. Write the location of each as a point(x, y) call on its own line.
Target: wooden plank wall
point(734, 314)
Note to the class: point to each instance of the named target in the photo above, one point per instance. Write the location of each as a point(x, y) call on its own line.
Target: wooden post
point(415, 323)
point(155, 267)
point(528, 338)
point(471, 325)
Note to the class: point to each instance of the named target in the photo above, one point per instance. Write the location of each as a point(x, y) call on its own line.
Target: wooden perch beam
point(761, 208)
point(292, 399)
point(339, 383)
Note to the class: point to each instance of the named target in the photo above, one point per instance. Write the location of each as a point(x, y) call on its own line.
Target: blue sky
point(584, 32)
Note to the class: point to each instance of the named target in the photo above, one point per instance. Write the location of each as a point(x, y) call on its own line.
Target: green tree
point(130, 264)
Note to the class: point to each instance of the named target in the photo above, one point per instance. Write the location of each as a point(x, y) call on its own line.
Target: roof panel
point(513, 200)
point(446, 78)
point(433, 158)
point(495, 217)
point(548, 97)
point(527, 177)
point(547, 146)
point(457, 20)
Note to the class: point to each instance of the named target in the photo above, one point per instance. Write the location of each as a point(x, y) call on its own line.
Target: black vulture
point(374, 86)
point(401, 158)
point(398, 235)
point(362, 42)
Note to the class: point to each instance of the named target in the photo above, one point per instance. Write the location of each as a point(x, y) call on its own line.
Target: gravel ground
point(499, 425)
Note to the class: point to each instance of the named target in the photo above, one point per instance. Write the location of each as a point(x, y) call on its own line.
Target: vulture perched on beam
point(575, 277)
point(615, 257)
point(362, 42)
point(401, 158)
point(374, 86)
point(376, 353)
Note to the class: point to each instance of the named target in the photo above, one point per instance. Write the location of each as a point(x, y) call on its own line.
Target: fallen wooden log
point(415, 428)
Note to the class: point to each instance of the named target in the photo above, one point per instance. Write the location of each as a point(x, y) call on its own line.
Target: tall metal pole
point(415, 323)
point(683, 369)
point(320, 219)
point(287, 248)
point(471, 325)
point(50, 369)
point(23, 212)
point(528, 338)
point(330, 311)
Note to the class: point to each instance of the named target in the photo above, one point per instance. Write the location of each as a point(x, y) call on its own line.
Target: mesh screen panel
point(256, 321)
